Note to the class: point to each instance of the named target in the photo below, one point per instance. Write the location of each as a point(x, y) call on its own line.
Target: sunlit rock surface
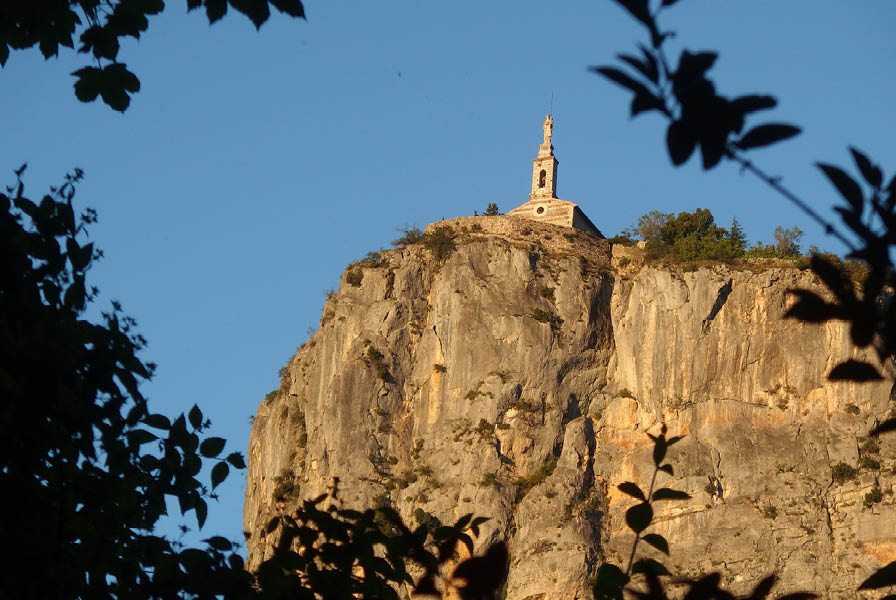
point(517, 380)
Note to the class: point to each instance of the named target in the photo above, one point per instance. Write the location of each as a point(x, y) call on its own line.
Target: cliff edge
point(517, 378)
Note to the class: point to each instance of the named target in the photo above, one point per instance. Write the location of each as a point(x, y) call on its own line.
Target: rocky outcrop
point(517, 379)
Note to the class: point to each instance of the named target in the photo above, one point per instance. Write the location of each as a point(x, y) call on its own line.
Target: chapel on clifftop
point(543, 204)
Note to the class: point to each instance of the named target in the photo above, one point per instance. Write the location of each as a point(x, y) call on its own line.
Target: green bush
point(873, 497)
point(544, 316)
point(374, 258)
point(440, 241)
point(484, 428)
point(354, 277)
point(622, 240)
point(866, 462)
point(526, 483)
point(695, 236)
point(286, 487)
point(842, 473)
point(488, 480)
point(426, 519)
point(870, 446)
point(410, 234)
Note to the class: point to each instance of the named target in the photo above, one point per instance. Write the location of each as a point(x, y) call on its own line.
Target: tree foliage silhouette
point(99, 26)
point(89, 469)
point(700, 117)
point(87, 466)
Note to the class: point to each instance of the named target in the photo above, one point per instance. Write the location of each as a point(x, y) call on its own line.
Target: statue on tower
point(546, 149)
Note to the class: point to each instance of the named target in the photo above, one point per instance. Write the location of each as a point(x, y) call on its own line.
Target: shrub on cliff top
point(410, 234)
point(440, 241)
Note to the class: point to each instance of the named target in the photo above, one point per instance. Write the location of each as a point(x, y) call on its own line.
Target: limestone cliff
point(516, 379)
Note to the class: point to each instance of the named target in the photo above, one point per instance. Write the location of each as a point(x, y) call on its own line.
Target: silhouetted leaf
point(763, 588)
point(257, 10)
point(834, 279)
point(669, 494)
point(427, 587)
point(157, 421)
point(632, 489)
point(638, 517)
point(642, 66)
point(651, 62)
point(139, 437)
point(638, 8)
point(609, 582)
point(659, 450)
point(674, 440)
point(215, 9)
point(201, 509)
point(113, 83)
point(680, 142)
point(845, 184)
point(219, 543)
point(712, 145)
point(694, 65)
point(484, 575)
point(854, 370)
point(886, 426)
point(810, 308)
point(645, 102)
point(195, 416)
point(763, 135)
point(800, 596)
point(883, 577)
point(292, 8)
point(623, 79)
point(87, 86)
point(219, 473)
point(212, 447)
point(870, 172)
point(747, 104)
point(236, 460)
point(75, 296)
point(657, 541)
point(669, 2)
point(667, 469)
point(272, 524)
point(649, 565)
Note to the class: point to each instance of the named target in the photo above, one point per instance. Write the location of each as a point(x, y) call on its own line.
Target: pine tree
point(737, 237)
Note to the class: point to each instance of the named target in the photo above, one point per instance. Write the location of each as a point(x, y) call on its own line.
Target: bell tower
point(544, 167)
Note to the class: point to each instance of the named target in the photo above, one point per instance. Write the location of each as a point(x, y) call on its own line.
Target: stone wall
point(544, 237)
point(557, 212)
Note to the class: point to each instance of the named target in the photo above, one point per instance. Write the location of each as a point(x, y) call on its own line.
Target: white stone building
point(543, 204)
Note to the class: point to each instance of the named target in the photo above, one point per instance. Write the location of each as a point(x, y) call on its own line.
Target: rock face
point(517, 379)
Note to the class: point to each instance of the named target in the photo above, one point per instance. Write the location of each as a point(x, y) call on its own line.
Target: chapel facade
point(543, 204)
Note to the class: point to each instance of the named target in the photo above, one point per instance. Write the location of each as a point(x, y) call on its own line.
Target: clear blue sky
point(252, 167)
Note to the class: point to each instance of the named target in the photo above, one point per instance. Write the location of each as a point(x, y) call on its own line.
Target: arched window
point(542, 177)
